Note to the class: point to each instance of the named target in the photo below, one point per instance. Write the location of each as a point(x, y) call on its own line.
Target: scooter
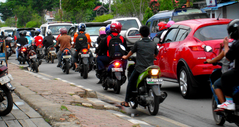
point(32, 59)
point(66, 60)
point(51, 54)
point(39, 51)
point(84, 64)
point(148, 89)
point(225, 115)
point(22, 56)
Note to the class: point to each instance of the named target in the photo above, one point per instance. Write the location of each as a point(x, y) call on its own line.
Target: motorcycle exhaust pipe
point(163, 97)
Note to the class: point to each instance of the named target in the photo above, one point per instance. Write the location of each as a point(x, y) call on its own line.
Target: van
point(176, 15)
point(130, 27)
point(9, 30)
point(54, 27)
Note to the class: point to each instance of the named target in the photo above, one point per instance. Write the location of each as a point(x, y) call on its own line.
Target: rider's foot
point(227, 105)
point(76, 69)
point(58, 65)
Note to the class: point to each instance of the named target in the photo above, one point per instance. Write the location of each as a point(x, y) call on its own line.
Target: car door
point(166, 52)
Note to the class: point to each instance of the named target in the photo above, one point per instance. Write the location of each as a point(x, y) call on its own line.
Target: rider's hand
point(225, 41)
point(208, 60)
point(124, 57)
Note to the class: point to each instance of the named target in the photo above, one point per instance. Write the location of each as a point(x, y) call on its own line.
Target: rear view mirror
point(122, 47)
point(156, 40)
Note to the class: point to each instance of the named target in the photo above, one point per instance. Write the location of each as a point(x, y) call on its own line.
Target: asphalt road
point(174, 111)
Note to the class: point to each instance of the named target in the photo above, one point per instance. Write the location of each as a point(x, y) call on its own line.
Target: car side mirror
point(156, 40)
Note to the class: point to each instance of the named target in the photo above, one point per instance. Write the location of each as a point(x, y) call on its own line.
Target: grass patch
point(21, 67)
point(72, 85)
point(47, 120)
point(122, 111)
point(55, 79)
point(136, 125)
point(72, 94)
point(64, 108)
point(78, 105)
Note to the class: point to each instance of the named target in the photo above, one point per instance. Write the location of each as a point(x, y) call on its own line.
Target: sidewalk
point(65, 105)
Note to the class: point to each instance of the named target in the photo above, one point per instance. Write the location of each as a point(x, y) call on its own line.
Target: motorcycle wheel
point(153, 107)
point(47, 58)
point(117, 87)
point(6, 101)
point(67, 68)
point(52, 59)
point(35, 67)
point(217, 118)
point(85, 71)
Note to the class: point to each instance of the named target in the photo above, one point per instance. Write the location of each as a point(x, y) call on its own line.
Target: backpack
point(81, 41)
point(114, 47)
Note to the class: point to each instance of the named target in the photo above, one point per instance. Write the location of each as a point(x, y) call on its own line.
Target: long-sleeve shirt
point(64, 41)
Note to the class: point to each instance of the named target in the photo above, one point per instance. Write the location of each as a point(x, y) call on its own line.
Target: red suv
point(184, 49)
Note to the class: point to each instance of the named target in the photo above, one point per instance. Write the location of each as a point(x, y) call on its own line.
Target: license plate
point(154, 81)
point(6, 79)
point(117, 69)
point(34, 56)
point(66, 56)
point(85, 55)
point(52, 52)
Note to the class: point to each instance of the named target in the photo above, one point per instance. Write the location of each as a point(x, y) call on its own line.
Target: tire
point(67, 69)
point(35, 67)
point(117, 87)
point(52, 59)
point(185, 84)
point(6, 99)
point(217, 118)
point(85, 71)
point(153, 107)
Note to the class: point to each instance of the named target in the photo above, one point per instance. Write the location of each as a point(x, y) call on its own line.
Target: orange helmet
point(162, 25)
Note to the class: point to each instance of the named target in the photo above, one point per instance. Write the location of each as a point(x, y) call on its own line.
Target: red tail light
point(7, 46)
point(39, 46)
point(196, 48)
point(24, 49)
point(84, 51)
point(52, 48)
point(117, 64)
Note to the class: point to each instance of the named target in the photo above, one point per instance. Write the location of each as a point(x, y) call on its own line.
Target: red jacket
point(38, 40)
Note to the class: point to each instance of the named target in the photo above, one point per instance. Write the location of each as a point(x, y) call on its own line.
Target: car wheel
point(185, 84)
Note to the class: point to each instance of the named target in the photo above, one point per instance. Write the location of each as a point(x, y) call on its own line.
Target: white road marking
point(172, 121)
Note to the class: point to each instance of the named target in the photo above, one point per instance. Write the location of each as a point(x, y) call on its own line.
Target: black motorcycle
point(84, 64)
point(22, 55)
point(9, 51)
point(32, 59)
point(6, 101)
point(66, 60)
point(51, 54)
point(39, 51)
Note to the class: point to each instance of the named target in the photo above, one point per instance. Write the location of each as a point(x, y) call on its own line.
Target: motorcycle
point(32, 59)
point(93, 49)
point(9, 51)
point(22, 56)
point(148, 89)
point(225, 115)
point(84, 65)
point(66, 60)
point(39, 51)
point(6, 100)
point(51, 54)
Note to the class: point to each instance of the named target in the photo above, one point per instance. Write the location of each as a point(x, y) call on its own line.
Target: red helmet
point(162, 25)
point(63, 30)
point(115, 27)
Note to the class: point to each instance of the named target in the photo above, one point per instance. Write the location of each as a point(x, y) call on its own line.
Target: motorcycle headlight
point(154, 72)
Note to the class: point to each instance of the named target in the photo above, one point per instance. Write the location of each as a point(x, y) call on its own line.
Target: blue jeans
point(102, 61)
point(131, 85)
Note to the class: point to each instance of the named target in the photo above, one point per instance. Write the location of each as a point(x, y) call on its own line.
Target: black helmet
point(24, 32)
point(233, 29)
point(20, 33)
point(48, 32)
point(37, 32)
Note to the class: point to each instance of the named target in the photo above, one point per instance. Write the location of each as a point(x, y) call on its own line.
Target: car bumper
point(204, 69)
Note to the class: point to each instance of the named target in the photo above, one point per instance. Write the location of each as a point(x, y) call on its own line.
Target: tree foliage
point(148, 13)
point(166, 5)
point(103, 18)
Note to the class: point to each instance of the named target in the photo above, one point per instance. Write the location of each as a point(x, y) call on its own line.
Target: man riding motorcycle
point(81, 40)
point(38, 39)
point(65, 42)
point(21, 40)
point(146, 51)
point(48, 41)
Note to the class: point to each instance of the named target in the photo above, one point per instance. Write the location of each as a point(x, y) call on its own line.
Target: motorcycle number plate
point(154, 81)
point(66, 56)
point(52, 52)
point(85, 55)
point(6, 79)
point(33, 56)
point(117, 69)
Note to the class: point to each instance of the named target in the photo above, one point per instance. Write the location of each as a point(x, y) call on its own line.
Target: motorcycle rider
point(81, 40)
point(169, 24)
point(9, 40)
point(104, 60)
point(38, 39)
point(65, 42)
point(21, 40)
point(162, 27)
point(48, 41)
point(146, 51)
point(229, 78)
point(29, 38)
point(102, 36)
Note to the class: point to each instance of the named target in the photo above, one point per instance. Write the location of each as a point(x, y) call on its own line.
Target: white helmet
point(5, 34)
point(28, 33)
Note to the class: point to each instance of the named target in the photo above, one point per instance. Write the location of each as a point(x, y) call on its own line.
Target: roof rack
point(57, 22)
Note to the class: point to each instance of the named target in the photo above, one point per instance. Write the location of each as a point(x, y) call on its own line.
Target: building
point(100, 10)
point(49, 16)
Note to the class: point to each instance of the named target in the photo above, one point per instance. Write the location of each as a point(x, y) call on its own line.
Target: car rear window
point(126, 24)
point(212, 32)
point(55, 29)
point(93, 30)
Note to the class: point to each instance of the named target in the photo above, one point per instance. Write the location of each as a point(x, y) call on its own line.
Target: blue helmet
point(81, 27)
point(107, 29)
point(39, 30)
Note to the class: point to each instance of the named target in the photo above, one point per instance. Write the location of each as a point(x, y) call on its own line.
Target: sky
point(3, 1)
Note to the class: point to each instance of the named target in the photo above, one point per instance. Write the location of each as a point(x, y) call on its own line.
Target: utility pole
point(188, 3)
point(60, 11)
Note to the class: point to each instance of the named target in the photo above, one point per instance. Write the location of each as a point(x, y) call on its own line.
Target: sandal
point(125, 104)
point(218, 110)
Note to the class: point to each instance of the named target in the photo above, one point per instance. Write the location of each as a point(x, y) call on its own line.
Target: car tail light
point(84, 51)
point(117, 64)
point(196, 48)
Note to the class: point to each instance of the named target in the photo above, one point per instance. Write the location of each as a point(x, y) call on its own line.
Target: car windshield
point(190, 16)
point(55, 29)
point(17, 34)
point(126, 24)
point(93, 30)
point(9, 31)
point(212, 32)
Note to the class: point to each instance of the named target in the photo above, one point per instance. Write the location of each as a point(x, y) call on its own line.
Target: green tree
point(166, 5)
point(35, 21)
point(103, 18)
point(23, 14)
point(10, 22)
point(6, 11)
point(148, 13)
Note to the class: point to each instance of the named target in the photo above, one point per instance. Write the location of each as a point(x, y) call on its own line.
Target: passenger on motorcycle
point(38, 39)
point(105, 46)
point(65, 42)
point(21, 40)
point(229, 79)
point(29, 37)
point(146, 51)
point(162, 27)
point(169, 24)
point(102, 36)
point(8, 40)
point(81, 40)
point(48, 41)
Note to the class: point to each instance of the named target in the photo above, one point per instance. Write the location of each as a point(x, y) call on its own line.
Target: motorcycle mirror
point(122, 47)
point(72, 42)
point(156, 40)
point(54, 41)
